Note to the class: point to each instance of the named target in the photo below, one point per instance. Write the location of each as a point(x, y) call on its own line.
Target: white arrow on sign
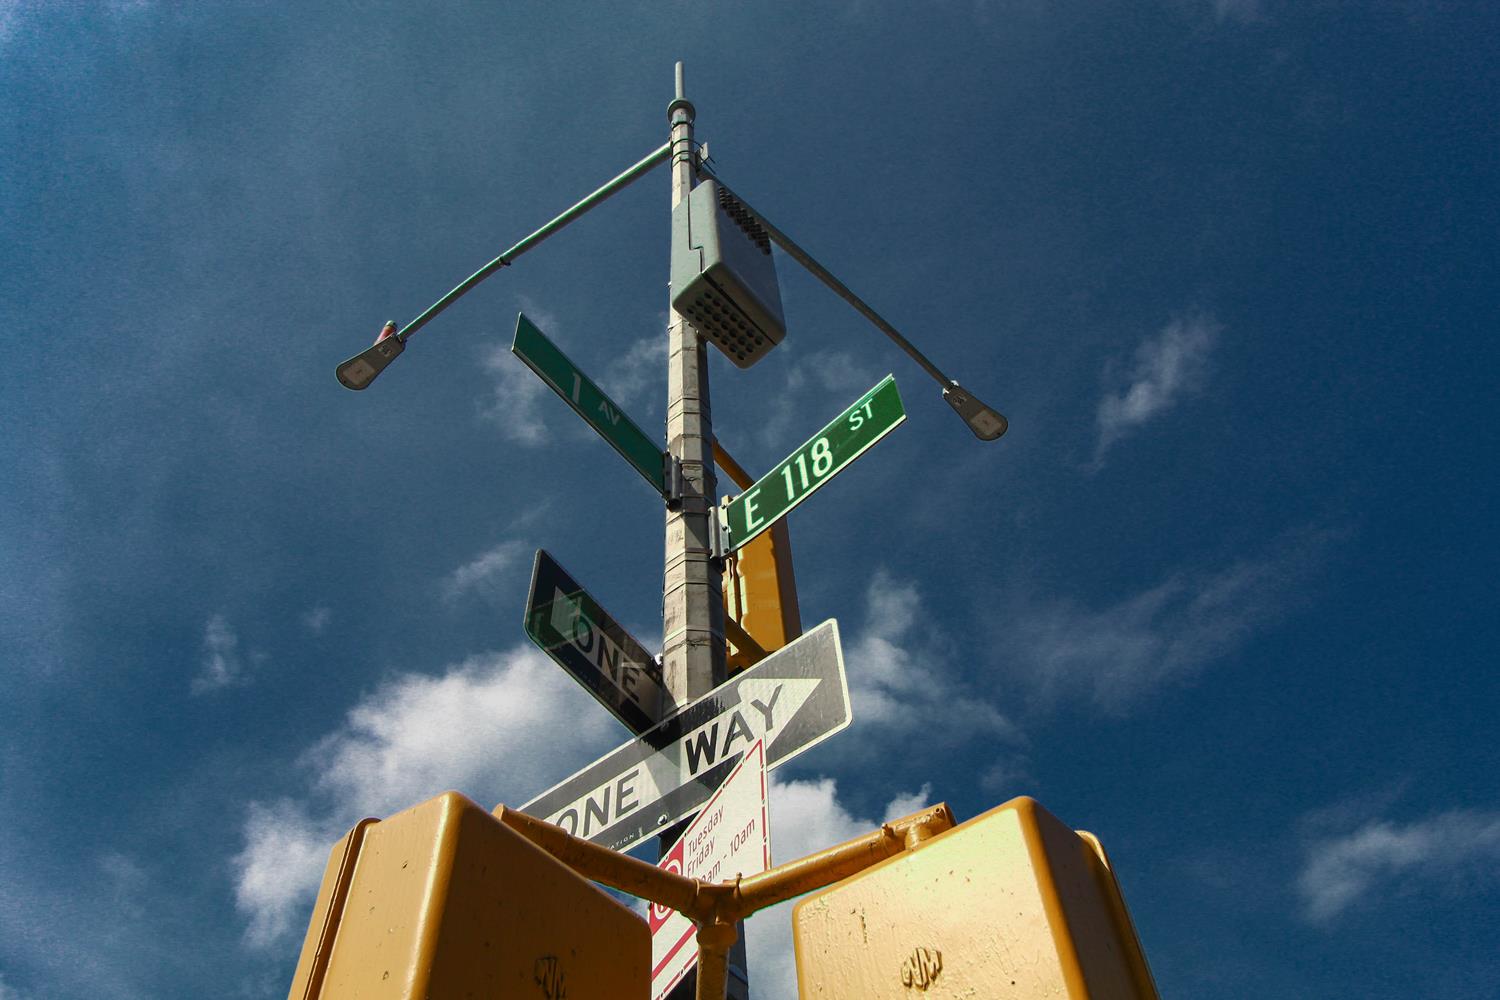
point(730, 837)
point(793, 699)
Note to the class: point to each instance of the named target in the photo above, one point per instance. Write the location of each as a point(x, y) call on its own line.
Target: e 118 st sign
point(872, 417)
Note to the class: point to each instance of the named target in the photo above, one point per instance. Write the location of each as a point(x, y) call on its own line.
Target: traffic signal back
point(443, 900)
point(1011, 903)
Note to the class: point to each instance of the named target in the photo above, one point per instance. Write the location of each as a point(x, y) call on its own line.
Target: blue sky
point(1223, 594)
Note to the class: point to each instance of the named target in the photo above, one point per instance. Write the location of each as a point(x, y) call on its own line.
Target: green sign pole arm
point(652, 160)
point(986, 423)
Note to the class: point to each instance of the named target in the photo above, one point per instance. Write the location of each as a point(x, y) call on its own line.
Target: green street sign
point(589, 402)
point(872, 417)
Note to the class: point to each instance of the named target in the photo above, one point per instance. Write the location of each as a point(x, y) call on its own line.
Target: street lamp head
point(986, 423)
point(360, 370)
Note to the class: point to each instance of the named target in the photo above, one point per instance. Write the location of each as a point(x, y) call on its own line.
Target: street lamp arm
point(985, 422)
point(654, 159)
point(360, 370)
point(840, 289)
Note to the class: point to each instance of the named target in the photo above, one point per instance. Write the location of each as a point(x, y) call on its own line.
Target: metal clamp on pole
point(719, 531)
point(675, 481)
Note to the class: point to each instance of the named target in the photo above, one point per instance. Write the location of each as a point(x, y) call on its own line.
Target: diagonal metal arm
point(653, 159)
point(986, 423)
point(360, 370)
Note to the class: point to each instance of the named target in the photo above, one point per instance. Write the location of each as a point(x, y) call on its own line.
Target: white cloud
point(814, 383)
point(806, 816)
point(1169, 631)
point(280, 866)
point(127, 883)
point(222, 665)
point(1166, 367)
point(897, 685)
point(905, 805)
point(495, 723)
point(1007, 778)
point(542, 318)
point(630, 376)
point(1451, 851)
point(42, 909)
point(836, 373)
point(483, 573)
point(315, 620)
point(514, 404)
point(493, 727)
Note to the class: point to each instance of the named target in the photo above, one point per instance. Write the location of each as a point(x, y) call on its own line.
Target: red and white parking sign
point(731, 836)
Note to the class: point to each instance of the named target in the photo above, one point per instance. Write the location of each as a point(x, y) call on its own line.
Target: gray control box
point(723, 277)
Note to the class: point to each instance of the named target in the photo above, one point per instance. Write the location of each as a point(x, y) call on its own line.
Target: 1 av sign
point(872, 417)
point(589, 402)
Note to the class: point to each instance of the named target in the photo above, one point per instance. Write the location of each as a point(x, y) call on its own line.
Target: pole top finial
point(681, 108)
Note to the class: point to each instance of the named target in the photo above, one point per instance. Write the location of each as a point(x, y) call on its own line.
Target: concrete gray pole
point(692, 595)
point(692, 603)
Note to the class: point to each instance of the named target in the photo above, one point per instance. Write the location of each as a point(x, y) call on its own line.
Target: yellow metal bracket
point(715, 907)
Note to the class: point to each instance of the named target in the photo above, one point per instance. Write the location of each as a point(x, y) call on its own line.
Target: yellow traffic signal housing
point(1011, 903)
point(760, 593)
point(760, 588)
point(444, 900)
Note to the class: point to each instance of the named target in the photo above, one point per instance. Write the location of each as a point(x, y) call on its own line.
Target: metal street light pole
point(693, 647)
point(693, 614)
point(692, 597)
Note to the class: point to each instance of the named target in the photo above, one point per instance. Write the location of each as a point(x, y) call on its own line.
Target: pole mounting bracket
point(674, 480)
point(718, 531)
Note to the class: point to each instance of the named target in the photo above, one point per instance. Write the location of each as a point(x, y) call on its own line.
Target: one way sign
point(588, 643)
point(793, 699)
